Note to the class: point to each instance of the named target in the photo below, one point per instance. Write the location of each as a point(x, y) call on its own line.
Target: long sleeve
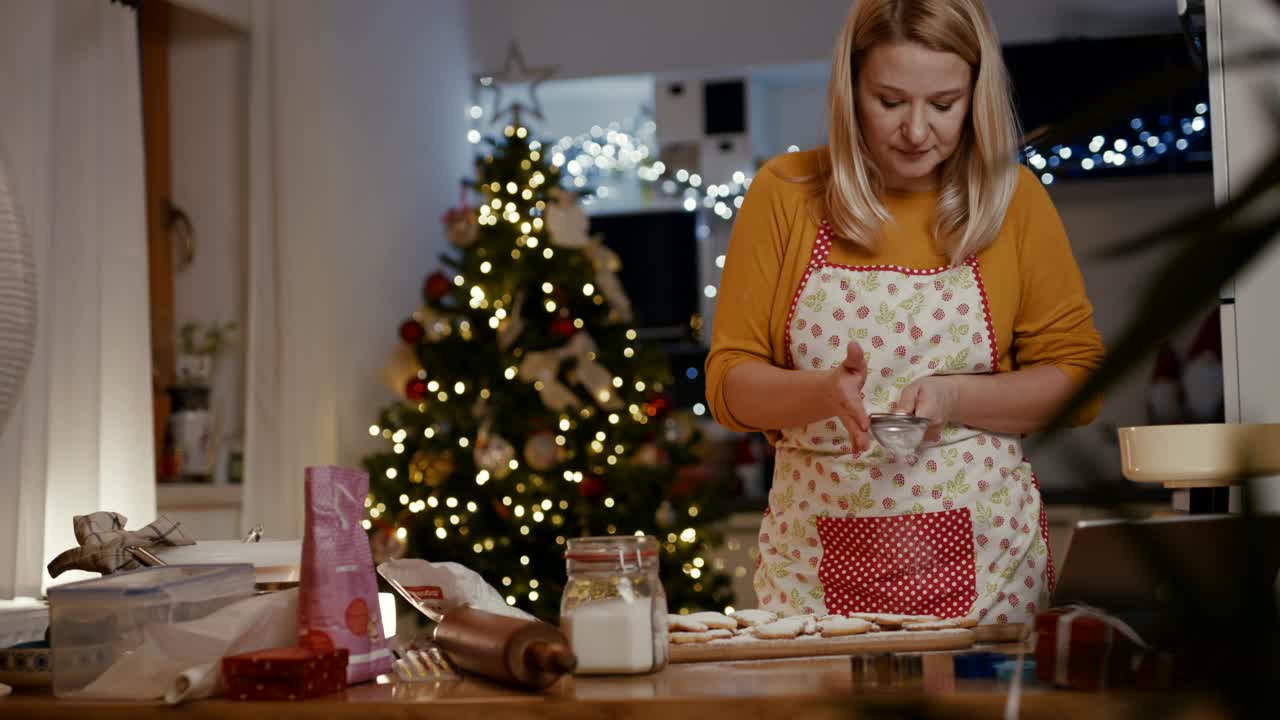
point(743, 327)
point(1054, 320)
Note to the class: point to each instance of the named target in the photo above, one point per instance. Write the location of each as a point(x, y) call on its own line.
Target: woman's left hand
point(932, 397)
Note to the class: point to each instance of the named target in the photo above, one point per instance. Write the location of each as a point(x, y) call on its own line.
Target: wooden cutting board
point(809, 646)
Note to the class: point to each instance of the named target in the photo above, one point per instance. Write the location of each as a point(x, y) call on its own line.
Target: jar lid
point(622, 549)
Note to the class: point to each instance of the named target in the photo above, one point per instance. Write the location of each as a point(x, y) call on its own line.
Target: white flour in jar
point(612, 636)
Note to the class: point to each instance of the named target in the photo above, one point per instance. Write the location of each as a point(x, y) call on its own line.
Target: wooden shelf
point(171, 496)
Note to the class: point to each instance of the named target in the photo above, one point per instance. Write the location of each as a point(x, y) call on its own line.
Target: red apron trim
point(919, 564)
point(986, 314)
point(821, 245)
point(1051, 575)
point(818, 261)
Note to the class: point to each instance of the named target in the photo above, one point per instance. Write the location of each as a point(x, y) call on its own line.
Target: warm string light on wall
point(627, 146)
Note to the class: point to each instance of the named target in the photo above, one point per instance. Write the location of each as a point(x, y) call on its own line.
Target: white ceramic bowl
point(1198, 455)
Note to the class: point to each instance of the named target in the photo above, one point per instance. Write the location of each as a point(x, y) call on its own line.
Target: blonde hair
point(978, 180)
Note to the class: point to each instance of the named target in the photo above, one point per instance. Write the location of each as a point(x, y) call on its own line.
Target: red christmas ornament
point(437, 286)
point(659, 405)
point(592, 487)
point(687, 480)
point(416, 389)
point(562, 327)
point(411, 331)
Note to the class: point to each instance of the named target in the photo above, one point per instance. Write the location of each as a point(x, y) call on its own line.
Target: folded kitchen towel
point(103, 541)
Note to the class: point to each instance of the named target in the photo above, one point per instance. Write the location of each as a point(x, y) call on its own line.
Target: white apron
point(957, 529)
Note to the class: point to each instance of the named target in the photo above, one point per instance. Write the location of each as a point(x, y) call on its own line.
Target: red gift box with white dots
point(284, 674)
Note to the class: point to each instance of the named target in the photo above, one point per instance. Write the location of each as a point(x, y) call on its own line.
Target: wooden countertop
point(772, 689)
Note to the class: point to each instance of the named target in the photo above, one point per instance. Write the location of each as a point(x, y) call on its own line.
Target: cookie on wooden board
point(683, 623)
point(751, 616)
point(784, 629)
point(713, 620)
point(843, 626)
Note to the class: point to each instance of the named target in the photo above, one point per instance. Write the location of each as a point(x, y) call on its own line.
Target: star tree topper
point(514, 72)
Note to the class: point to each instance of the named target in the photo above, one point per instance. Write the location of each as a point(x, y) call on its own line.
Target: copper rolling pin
point(524, 653)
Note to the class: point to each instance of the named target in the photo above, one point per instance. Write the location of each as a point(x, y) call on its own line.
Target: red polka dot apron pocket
point(917, 564)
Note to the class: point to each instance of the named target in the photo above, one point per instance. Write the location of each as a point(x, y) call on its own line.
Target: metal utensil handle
point(144, 556)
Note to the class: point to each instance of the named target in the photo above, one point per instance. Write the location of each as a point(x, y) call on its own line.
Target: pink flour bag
point(338, 592)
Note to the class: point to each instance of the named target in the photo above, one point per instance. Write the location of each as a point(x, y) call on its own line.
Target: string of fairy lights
point(601, 152)
point(451, 513)
point(1146, 143)
point(604, 152)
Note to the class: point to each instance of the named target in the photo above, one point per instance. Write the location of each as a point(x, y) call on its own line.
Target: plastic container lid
point(148, 581)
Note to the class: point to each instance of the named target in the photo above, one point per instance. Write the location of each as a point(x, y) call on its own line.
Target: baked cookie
point(683, 623)
point(720, 633)
point(750, 617)
point(841, 626)
point(713, 620)
point(689, 638)
point(810, 623)
point(784, 629)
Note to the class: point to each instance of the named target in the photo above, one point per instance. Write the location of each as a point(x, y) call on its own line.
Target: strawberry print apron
point(956, 529)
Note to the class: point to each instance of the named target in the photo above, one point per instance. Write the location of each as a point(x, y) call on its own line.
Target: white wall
point(795, 114)
point(209, 150)
point(618, 38)
point(369, 128)
point(570, 107)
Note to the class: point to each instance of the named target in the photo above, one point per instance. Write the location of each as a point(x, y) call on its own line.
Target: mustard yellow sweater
point(1039, 310)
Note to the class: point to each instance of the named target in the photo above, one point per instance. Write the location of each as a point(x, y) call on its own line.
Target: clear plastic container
point(94, 622)
point(614, 608)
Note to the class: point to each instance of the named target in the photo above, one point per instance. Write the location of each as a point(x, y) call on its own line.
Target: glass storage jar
point(614, 608)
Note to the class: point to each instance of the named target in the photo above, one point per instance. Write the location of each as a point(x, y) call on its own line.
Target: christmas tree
point(534, 414)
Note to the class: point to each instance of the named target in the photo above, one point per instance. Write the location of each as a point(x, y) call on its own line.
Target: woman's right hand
point(842, 391)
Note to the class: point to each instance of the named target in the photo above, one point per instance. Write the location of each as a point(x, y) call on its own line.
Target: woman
point(909, 266)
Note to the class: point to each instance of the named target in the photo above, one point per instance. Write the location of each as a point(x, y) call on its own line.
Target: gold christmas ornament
point(431, 467)
point(542, 452)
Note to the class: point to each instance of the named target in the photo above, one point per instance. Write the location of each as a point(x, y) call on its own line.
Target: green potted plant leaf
point(199, 347)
